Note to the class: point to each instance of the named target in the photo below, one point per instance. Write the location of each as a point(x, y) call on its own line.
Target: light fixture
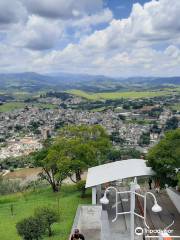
point(137, 186)
point(156, 208)
point(104, 200)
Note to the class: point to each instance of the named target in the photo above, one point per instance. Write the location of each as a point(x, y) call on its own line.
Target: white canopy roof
point(117, 170)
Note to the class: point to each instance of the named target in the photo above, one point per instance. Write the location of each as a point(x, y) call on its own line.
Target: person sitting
point(77, 235)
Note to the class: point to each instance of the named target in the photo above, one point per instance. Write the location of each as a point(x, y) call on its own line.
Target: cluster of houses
point(22, 130)
point(22, 147)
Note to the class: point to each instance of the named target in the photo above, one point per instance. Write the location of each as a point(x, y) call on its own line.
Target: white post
point(94, 195)
point(132, 208)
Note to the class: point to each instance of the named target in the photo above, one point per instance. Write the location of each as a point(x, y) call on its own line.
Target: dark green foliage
point(81, 186)
point(114, 155)
point(171, 124)
point(127, 106)
point(85, 146)
point(130, 153)
point(18, 127)
point(31, 228)
point(122, 117)
point(47, 217)
point(155, 129)
point(144, 139)
point(116, 138)
point(16, 162)
point(75, 149)
point(62, 95)
point(164, 158)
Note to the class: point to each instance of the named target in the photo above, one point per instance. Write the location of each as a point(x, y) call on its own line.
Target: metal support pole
point(94, 197)
point(132, 208)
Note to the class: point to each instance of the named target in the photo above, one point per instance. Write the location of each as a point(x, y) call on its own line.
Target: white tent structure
point(115, 171)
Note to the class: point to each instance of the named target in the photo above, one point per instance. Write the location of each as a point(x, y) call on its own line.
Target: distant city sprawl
point(138, 123)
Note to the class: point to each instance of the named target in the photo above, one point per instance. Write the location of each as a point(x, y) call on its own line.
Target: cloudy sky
point(110, 37)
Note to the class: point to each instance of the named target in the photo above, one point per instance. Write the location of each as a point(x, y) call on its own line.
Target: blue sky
point(122, 8)
point(109, 37)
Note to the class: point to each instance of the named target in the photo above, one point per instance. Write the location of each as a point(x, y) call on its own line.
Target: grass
point(7, 107)
point(23, 173)
point(24, 205)
point(176, 107)
point(10, 106)
point(118, 95)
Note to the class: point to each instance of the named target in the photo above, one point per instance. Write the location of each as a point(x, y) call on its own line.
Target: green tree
point(81, 186)
point(178, 178)
point(144, 139)
point(30, 228)
point(130, 153)
point(164, 158)
point(114, 155)
point(75, 149)
point(171, 124)
point(55, 163)
point(85, 146)
point(47, 216)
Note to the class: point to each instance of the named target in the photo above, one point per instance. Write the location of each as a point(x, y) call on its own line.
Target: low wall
point(88, 221)
point(175, 197)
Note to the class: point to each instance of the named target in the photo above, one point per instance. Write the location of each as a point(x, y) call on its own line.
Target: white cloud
point(63, 9)
point(125, 47)
point(103, 16)
point(145, 26)
point(37, 34)
point(11, 12)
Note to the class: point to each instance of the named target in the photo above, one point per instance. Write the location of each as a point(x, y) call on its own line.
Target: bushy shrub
point(35, 227)
point(30, 228)
point(81, 187)
point(9, 186)
point(47, 216)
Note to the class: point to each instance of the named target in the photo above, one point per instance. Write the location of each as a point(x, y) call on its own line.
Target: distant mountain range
point(32, 82)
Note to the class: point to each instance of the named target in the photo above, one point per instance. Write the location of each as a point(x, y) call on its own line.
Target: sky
point(109, 37)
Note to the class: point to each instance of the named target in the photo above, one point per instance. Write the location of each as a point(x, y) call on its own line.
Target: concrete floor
point(120, 229)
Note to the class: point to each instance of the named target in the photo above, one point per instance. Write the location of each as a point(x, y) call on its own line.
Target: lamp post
point(133, 187)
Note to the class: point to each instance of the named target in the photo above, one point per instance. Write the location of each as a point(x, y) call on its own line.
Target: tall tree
point(86, 146)
point(164, 157)
point(55, 164)
point(75, 149)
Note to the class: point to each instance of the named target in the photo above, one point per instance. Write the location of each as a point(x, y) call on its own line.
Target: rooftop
point(117, 170)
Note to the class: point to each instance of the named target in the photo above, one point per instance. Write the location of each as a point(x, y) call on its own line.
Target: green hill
point(23, 205)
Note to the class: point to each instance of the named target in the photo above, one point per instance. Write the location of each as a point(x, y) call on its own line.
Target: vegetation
point(164, 158)
point(130, 153)
point(76, 148)
point(117, 95)
point(16, 162)
point(25, 204)
point(11, 106)
point(47, 216)
point(30, 228)
point(7, 186)
point(7, 107)
point(114, 155)
point(62, 95)
point(81, 186)
point(171, 124)
point(144, 139)
point(176, 107)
